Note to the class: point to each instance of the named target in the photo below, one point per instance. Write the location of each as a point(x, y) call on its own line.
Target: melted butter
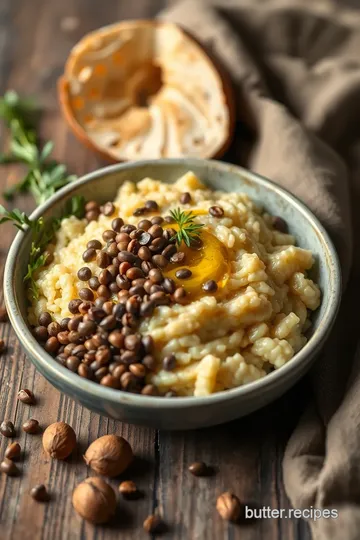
point(210, 261)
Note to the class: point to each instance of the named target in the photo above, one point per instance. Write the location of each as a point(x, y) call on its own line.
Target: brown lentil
point(169, 362)
point(3, 314)
point(129, 490)
point(52, 345)
point(41, 333)
point(216, 211)
point(112, 249)
point(53, 329)
point(138, 370)
point(110, 381)
point(183, 273)
point(84, 371)
point(94, 244)
point(155, 275)
point(199, 468)
point(72, 363)
point(89, 255)
point(210, 286)
point(177, 257)
point(160, 261)
point(84, 274)
point(156, 231)
point(152, 205)
point(149, 390)
point(74, 306)
point(108, 209)
point(185, 198)
point(103, 259)
point(279, 224)
point(180, 295)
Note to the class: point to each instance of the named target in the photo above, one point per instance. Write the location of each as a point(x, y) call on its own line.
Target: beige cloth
point(296, 69)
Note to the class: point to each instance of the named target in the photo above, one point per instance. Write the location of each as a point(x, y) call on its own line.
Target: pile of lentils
point(100, 341)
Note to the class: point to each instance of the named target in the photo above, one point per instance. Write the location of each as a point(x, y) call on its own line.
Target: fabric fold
point(295, 67)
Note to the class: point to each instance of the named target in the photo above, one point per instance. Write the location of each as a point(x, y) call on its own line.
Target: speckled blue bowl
point(189, 412)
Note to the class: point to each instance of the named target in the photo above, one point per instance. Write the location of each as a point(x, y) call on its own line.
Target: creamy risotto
point(248, 297)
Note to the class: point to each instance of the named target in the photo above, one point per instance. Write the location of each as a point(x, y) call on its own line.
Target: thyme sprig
point(42, 234)
point(189, 231)
point(44, 176)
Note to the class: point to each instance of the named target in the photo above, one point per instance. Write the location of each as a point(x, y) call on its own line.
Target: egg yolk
point(210, 261)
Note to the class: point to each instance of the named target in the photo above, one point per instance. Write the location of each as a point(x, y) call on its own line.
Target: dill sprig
point(44, 176)
point(42, 234)
point(189, 231)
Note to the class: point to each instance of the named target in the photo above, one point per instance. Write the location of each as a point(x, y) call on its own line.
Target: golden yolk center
point(210, 261)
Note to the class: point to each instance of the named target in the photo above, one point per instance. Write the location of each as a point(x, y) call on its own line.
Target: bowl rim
point(46, 363)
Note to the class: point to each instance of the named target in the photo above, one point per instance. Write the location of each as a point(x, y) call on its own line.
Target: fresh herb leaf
point(44, 176)
point(42, 234)
point(188, 230)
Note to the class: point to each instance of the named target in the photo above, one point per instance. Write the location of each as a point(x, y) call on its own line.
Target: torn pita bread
point(146, 89)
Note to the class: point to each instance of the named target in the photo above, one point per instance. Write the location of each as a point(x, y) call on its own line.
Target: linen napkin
point(296, 71)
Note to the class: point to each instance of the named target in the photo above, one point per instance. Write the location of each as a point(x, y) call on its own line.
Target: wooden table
point(35, 38)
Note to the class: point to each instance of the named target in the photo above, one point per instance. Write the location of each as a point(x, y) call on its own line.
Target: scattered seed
point(39, 493)
point(2, 346)
point(129, 490)
point(26, 396)
point(153, 524)
point(229, 506)
point(8, 467)
point(199, 468)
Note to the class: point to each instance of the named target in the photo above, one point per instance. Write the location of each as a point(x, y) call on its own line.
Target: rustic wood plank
point(247, 453)
point(247, 456)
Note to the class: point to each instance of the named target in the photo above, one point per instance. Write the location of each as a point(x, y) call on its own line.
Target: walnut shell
point(94, 500)
point(59, 440)
point(109, 455)
point(146, 89)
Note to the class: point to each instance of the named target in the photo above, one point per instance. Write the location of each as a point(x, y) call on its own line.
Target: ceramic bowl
point(186, 412)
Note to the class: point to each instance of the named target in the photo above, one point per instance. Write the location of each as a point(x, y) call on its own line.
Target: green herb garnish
point(44, 176)
point(189, 232)
point(42, 234)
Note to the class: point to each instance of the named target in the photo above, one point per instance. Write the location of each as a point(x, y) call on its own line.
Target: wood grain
point(246, 454)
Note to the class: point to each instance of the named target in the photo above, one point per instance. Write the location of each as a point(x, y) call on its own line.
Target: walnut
point(94, 500)
point(229, 506)
point(59, 440)
point(109, 455)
